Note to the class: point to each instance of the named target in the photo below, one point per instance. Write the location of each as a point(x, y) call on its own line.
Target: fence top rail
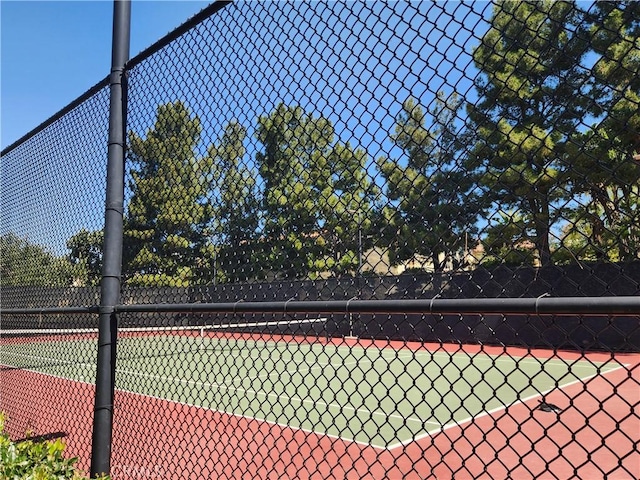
point(543, 305)
point(56, 116)
point(50, 310)
point(171, 36)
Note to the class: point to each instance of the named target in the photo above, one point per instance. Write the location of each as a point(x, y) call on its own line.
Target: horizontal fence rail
point(539, 306)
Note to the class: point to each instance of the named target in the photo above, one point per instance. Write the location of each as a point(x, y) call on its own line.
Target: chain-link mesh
point(308, 183)
point(51, 203)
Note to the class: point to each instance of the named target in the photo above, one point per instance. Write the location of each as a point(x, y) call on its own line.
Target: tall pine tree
point(606, 170)
point(316, 195)
point(168, 217)
point(237, 208)
point(436, 202)
point(532, 99)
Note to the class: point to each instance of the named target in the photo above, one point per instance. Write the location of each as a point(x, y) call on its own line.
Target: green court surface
point(381, 397)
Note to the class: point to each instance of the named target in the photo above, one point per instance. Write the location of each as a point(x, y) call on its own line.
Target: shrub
point(35, 460)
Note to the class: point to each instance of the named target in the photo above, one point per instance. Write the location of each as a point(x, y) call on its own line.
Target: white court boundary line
point(225, 386)
point(229, 387)
point(224, 412)
point(467, 420)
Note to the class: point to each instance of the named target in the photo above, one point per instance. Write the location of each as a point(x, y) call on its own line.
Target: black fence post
point(112, 260)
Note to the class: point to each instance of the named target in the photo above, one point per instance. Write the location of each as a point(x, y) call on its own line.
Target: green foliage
point(535, 98)
point(532, 99)
point(316, 195)
point(437, 205)
point(198, 220)
point(548, 151)
point(85, 249)
point(604, 172)
point(168, 217)
point(615, 36)
point(35, 460)
point(236, 206)
point(24, 264)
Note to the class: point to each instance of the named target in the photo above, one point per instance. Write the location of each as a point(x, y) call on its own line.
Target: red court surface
point(595, 436)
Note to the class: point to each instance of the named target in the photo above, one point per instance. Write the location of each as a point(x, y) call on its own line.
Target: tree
point(167, 224)
point(533, 98)
point(437, 204)
point(26, 264)
point(615, 34)
point(237, 208)
point(347, 199)
point(505, 241)
point(86, 253)
point(316, 195)
point(605, 175)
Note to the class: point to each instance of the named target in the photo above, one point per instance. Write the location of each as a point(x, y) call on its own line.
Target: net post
point(113, 238)
point(350, 315)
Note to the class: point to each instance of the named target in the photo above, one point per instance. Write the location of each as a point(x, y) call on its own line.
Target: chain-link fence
point(51, 196)
point(361, 240)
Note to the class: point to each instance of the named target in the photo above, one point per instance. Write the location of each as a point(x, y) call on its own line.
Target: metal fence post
point(112, 260)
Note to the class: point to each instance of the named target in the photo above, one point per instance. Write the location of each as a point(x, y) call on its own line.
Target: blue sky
point(53, 51)
point(356, 72)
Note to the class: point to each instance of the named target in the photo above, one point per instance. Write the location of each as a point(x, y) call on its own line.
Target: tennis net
point(219, 327)
point(36, 348)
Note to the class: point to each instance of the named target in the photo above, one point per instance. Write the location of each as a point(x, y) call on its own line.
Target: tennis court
point(373, 395)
